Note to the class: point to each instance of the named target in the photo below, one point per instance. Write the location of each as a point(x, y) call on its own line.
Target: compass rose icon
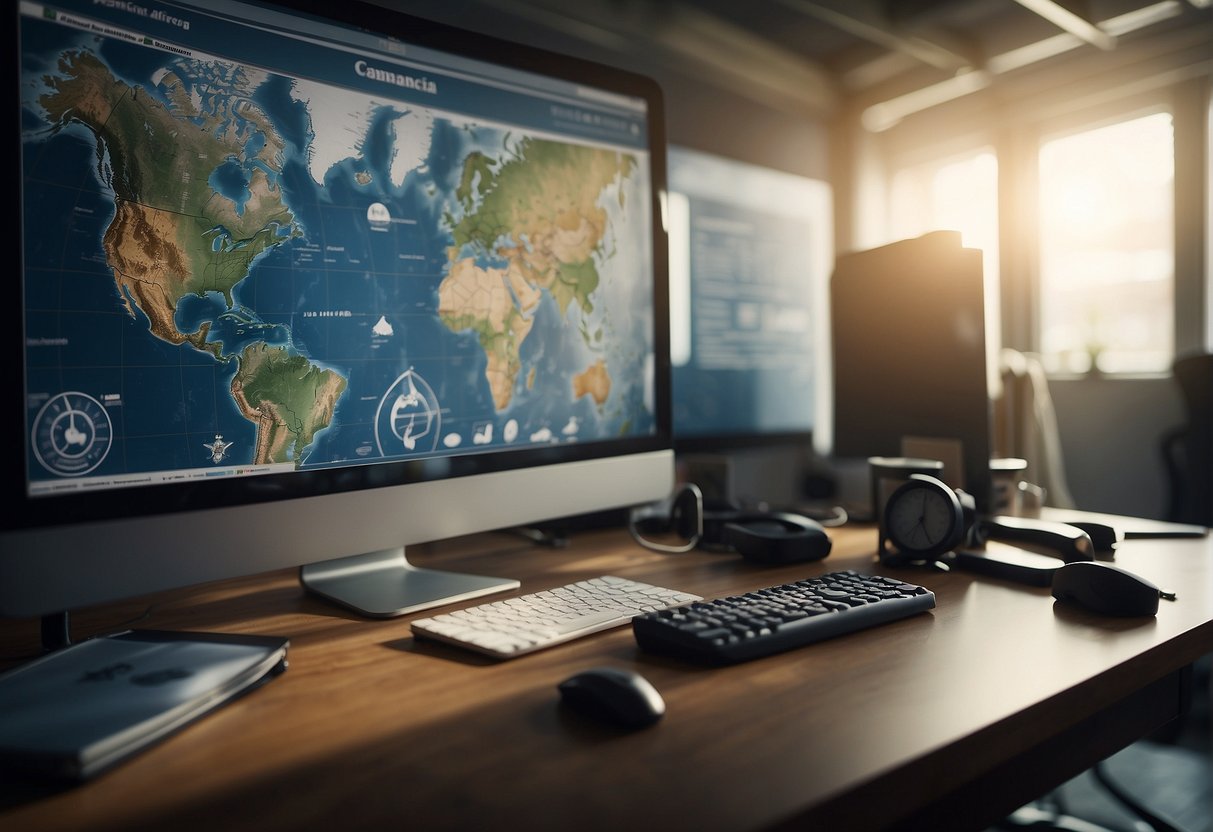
point(218, 448)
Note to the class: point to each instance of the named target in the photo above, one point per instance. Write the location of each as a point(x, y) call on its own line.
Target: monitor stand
point(384, 584)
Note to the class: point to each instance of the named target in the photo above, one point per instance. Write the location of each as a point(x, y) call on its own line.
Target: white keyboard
point(526, 623)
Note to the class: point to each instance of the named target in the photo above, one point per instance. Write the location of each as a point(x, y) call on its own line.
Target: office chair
point(1051, 814)
point(1025, 425)
point(1187, 449)
point(1160, 786)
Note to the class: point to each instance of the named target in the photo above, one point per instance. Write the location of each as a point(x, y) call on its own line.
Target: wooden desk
point(946, 720)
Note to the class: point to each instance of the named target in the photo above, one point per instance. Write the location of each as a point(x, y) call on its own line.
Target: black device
point(1104, 536)
point(767, 537)
point(778, 618)
point(910, 356)
point(1008, 563)
point(613, 695)
point(1064, 540)
point(1107, 589)
point(764, 537)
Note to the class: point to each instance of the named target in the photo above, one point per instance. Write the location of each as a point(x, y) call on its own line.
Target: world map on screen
point(228, 266)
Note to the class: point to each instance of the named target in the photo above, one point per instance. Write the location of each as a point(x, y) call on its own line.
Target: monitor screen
point(750, 253)
point(314, 281)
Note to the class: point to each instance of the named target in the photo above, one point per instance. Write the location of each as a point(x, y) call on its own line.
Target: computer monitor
point(911, 369)
point(300, 285)
point(750, 255)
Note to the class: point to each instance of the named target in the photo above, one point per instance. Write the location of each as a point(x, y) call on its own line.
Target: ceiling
point(810, 55)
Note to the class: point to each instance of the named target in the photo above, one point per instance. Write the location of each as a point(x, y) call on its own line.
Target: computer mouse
point(1106, 589)
point(613, 695)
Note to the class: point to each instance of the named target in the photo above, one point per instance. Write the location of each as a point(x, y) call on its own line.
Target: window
point(955, 194)
point(959, 193)
point(1107, 252)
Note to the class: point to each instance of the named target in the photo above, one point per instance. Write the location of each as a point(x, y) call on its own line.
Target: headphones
point(765, 537)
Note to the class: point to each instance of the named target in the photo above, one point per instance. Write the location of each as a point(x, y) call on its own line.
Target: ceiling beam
point(886, 114)
point(874, 28)
point(726, 48)
point(1067, 21)
point(730, 56)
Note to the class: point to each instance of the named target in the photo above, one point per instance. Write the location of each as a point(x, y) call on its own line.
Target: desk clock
point(923, 519)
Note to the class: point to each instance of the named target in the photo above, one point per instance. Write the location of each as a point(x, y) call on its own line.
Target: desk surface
point(948, 719)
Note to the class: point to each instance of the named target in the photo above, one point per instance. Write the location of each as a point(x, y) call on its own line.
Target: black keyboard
point(778, 618)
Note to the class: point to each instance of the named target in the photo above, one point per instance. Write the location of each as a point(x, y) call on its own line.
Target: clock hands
point(919, 526)
point(922, 518)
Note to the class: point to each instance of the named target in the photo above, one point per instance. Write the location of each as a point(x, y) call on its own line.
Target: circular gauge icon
point(72, 434)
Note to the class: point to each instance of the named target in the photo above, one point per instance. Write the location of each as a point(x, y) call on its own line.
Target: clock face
point(924, 517)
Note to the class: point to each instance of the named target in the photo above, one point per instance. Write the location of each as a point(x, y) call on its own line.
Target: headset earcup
point(686, 514)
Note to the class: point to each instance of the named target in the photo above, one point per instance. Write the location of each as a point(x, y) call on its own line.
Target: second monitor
point(910, 359)
point(750, 253)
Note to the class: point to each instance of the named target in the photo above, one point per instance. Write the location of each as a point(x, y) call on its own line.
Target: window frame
point(1078, 124)
point(1189, 106)
point(864, 164)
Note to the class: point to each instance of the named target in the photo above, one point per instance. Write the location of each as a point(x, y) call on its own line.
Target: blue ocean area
point(255, 144)
point(289, 116)
point(230, 180)
point(236, 329)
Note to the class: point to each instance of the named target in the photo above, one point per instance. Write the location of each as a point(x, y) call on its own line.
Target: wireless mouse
point(613, 695)
point(1103, 588)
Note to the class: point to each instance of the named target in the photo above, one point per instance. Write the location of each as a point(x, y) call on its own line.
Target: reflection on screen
point(749, 254)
